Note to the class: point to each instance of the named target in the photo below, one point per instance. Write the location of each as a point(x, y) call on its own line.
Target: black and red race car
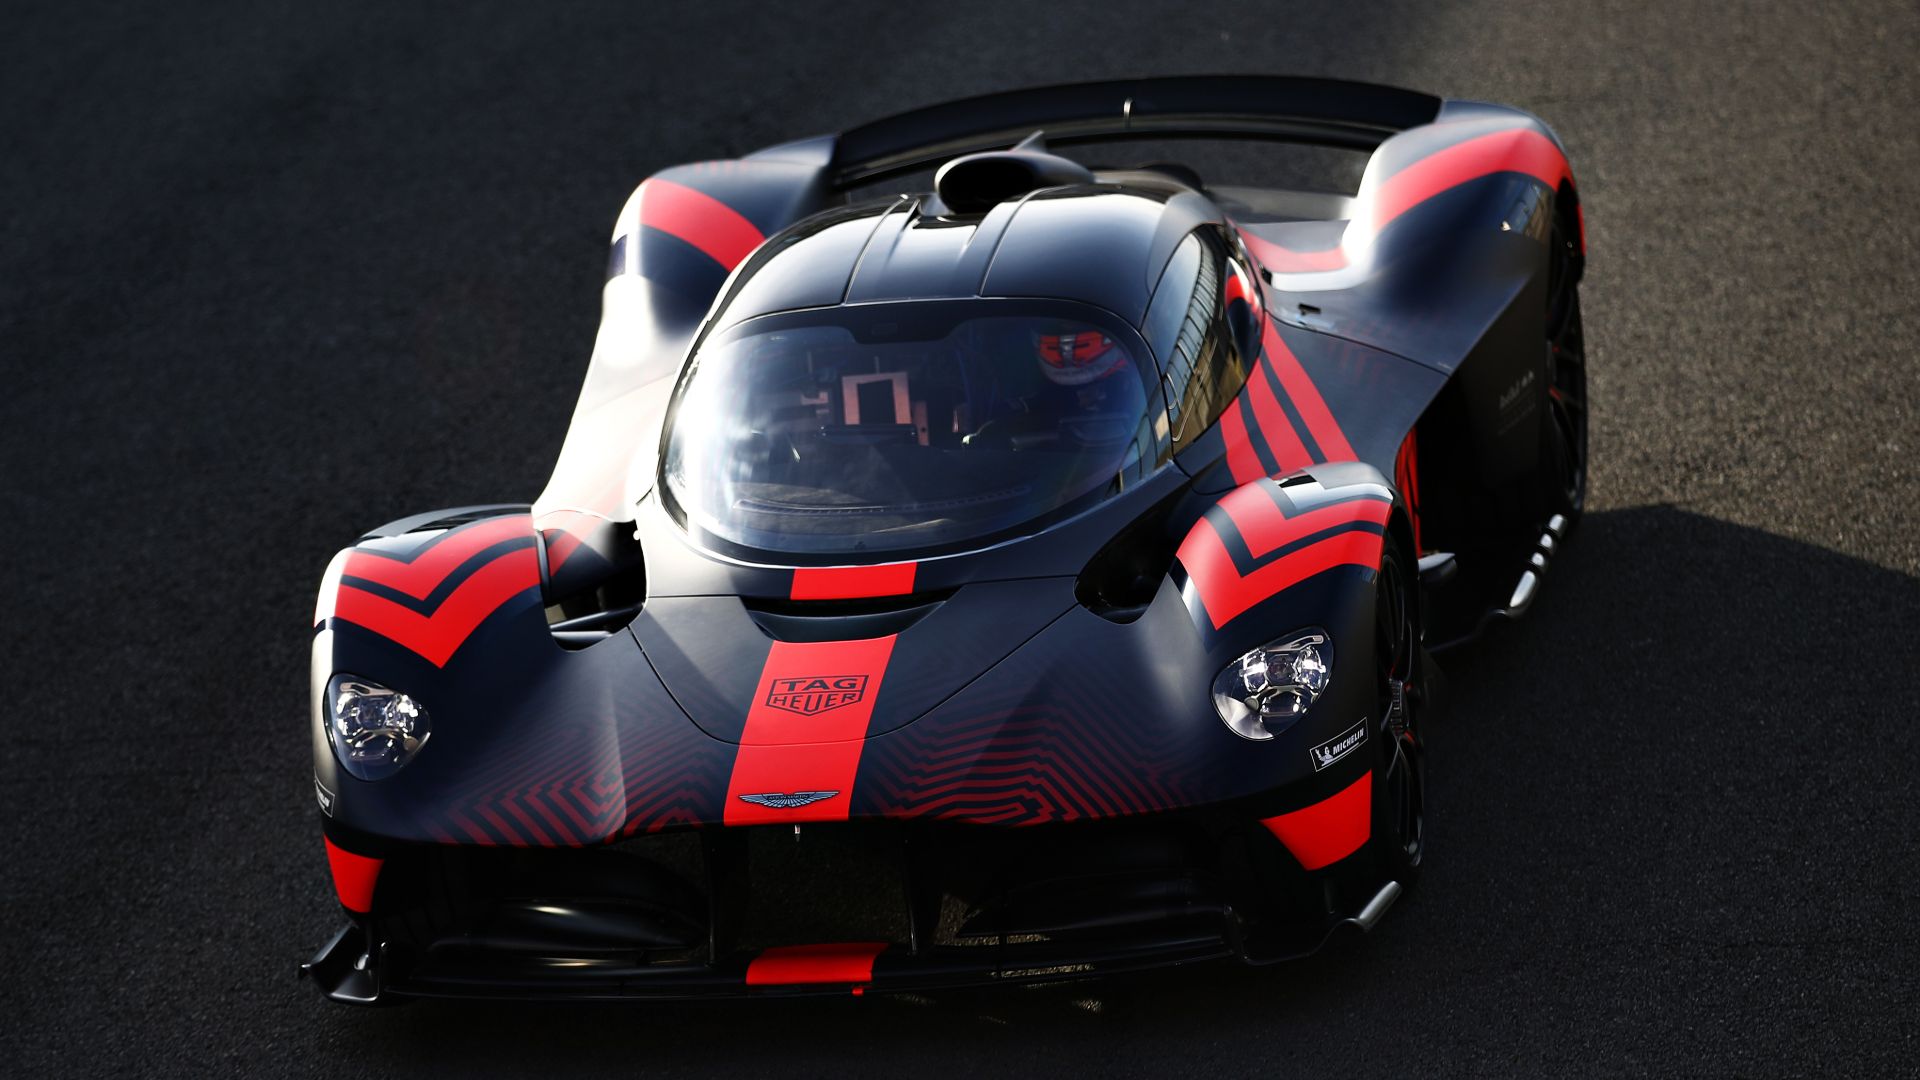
point(1029, 578)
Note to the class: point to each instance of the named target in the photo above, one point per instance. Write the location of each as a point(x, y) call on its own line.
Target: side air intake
point(977, 183)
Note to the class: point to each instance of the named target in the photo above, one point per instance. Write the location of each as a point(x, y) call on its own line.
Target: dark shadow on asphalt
point(1668, 781)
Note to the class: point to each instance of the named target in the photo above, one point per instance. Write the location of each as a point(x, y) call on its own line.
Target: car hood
point(772, 673)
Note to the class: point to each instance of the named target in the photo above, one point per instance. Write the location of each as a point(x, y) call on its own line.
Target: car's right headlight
point(1270, 688)
point(374, 730)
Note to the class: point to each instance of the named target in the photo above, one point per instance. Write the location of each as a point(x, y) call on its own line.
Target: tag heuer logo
point(787, 800)
point(1329, 752)
point(816, 693)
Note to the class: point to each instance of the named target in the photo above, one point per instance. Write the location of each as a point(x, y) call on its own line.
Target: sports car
point(1030, 577)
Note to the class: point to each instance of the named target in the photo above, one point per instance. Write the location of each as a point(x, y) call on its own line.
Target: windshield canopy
point(918, 426)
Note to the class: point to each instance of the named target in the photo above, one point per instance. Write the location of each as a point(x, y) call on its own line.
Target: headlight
point(374, 730)
point(1261, 694)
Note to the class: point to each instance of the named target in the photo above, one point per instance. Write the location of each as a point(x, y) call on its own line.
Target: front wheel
point(1399, 799)
point(1566, 393)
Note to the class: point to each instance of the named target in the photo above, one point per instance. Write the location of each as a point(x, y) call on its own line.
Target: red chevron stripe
point(436, 637)
point(1225, 594)
point(699, 219)
point(1265, 527)
point(423, 573)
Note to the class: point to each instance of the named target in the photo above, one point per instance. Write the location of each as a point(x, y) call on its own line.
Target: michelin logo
point(1329, 752)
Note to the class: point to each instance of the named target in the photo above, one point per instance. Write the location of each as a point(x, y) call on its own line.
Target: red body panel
point(1329, 830)
point(793, 965)
point(806, 730)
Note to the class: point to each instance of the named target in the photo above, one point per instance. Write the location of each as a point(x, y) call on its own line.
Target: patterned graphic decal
point(431, 601)
point(1023, 762)
point(565, 791)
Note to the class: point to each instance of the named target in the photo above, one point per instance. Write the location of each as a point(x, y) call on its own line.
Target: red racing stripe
point(1288, 451)
point(1329, 830)
point(800, 965)
point(853, 582)
point(698, 218)
point(1242, 460)
point(436, 637)
point(1225, 593)
point(806, 729)
point(1306, 399)
point(354, 877)
point(1521, 150)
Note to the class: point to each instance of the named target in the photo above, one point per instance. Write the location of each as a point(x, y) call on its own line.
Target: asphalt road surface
point(277, 272)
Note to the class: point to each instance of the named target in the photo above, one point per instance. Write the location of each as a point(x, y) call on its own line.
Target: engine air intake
point(979, 182)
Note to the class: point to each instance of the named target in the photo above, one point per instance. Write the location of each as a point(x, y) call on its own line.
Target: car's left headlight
point(374, 730)
point(1270, 688)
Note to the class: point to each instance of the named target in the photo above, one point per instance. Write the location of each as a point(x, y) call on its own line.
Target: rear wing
point(1328, 112)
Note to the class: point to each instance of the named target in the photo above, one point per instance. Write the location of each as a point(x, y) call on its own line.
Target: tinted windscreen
point(906, 426)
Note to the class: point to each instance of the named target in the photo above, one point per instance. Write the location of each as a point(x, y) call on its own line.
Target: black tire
point(1566, 385)
point(1399, 797)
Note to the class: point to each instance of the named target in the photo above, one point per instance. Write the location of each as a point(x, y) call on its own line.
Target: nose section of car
point(799, 673)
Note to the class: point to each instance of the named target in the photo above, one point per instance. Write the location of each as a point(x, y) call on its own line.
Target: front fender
point(531, 742)
point(1239, 566)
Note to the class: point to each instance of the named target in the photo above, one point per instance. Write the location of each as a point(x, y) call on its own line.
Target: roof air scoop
point(979, 182)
